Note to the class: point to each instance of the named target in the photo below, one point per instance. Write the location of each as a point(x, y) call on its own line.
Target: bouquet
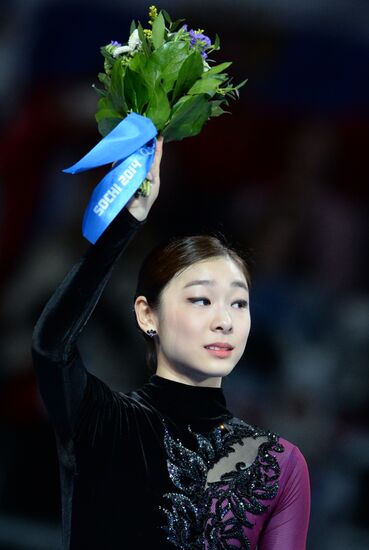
point(164, 75)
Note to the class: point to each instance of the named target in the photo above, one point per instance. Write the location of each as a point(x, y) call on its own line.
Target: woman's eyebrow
point(239, 284)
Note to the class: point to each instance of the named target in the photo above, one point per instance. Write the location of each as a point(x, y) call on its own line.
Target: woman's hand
point(140, 206)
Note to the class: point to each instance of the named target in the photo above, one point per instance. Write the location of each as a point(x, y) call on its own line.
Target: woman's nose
point(222, 320)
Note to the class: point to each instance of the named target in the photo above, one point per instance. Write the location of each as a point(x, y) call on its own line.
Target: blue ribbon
point(131, 144)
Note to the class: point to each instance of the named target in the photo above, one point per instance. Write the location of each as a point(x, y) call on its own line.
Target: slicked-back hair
point(170, 258)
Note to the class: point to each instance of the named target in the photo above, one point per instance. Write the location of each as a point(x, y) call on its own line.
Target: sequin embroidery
point(211, 515)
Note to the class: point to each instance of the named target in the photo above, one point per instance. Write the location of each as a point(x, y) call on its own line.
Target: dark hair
point(171, 257)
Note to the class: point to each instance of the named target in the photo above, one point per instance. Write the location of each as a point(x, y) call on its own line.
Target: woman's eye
point(242, 303)
point(193, 300)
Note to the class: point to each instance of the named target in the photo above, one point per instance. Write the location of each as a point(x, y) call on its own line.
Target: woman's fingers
point(158, 153)
point(140, 206)
point(153, 174)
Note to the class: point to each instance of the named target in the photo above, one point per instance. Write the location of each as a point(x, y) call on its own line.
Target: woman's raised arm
point(59, 368)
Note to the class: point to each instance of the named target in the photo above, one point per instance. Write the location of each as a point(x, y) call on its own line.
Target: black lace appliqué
point(211, 514)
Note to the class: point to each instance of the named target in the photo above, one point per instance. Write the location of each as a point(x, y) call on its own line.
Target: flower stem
point(144, 190)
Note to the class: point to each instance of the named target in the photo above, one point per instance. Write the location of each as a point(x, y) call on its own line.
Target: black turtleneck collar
point(186, 403)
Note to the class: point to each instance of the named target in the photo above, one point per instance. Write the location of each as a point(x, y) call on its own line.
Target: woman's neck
point(186, 403)
point(191, 377)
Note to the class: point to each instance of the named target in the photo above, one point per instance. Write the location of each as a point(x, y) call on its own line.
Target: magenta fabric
point(286, 524)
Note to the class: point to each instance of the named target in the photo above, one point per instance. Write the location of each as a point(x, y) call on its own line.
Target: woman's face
point(206, 304)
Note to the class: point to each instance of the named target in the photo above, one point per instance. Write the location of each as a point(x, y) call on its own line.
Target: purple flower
point(200, 41)
point(199, 37)
point(115, 43)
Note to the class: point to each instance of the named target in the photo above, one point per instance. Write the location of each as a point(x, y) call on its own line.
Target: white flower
point(205, 65)
point(134, 40)
point(121, 49)
point(134, 43)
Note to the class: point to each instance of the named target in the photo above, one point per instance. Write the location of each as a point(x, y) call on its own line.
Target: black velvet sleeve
point(59, 368)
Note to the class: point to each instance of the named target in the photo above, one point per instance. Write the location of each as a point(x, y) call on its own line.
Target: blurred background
point(284, 177)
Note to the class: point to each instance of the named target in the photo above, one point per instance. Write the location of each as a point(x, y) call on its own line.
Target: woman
point(167, 465)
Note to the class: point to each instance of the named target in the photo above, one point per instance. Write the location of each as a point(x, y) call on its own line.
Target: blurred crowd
point(284, 178)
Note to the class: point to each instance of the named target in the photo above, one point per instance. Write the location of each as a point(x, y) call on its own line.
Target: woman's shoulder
point(281, 468)
point(293, 464)
point(285, 451)
point(291, 450)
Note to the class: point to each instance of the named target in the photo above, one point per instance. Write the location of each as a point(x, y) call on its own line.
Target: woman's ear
point(145, 316)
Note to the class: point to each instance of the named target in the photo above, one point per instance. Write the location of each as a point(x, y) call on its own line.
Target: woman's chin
point(213, 370)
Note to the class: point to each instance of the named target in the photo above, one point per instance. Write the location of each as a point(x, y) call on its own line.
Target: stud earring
point(151, 332)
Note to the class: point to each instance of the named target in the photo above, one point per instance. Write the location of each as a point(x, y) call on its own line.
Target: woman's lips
point(225, 352)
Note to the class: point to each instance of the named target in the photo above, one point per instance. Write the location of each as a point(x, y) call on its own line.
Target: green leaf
point(106, 113)
point(145, 44)
point(107, 55)
point(109, 60)
point(132, 27)
point(151, 75)
point(216, 110)
point(167, 60)
point(170, 54)
point(218, 68)
point(216, 45)
point(204, 86)
point(176, 24)
point(241, 84)
point(158, 31)
point(106, 125)
point(188, 117)
point(166, 16)
point(101, 93)
point(138, 62)
point(190, 71)
point(135, 91)
point(143, 65)
point(105, 103)
point(106, 116)
point(159, 107)
point(177, 105)
point(105, 79)
point(117, 87)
